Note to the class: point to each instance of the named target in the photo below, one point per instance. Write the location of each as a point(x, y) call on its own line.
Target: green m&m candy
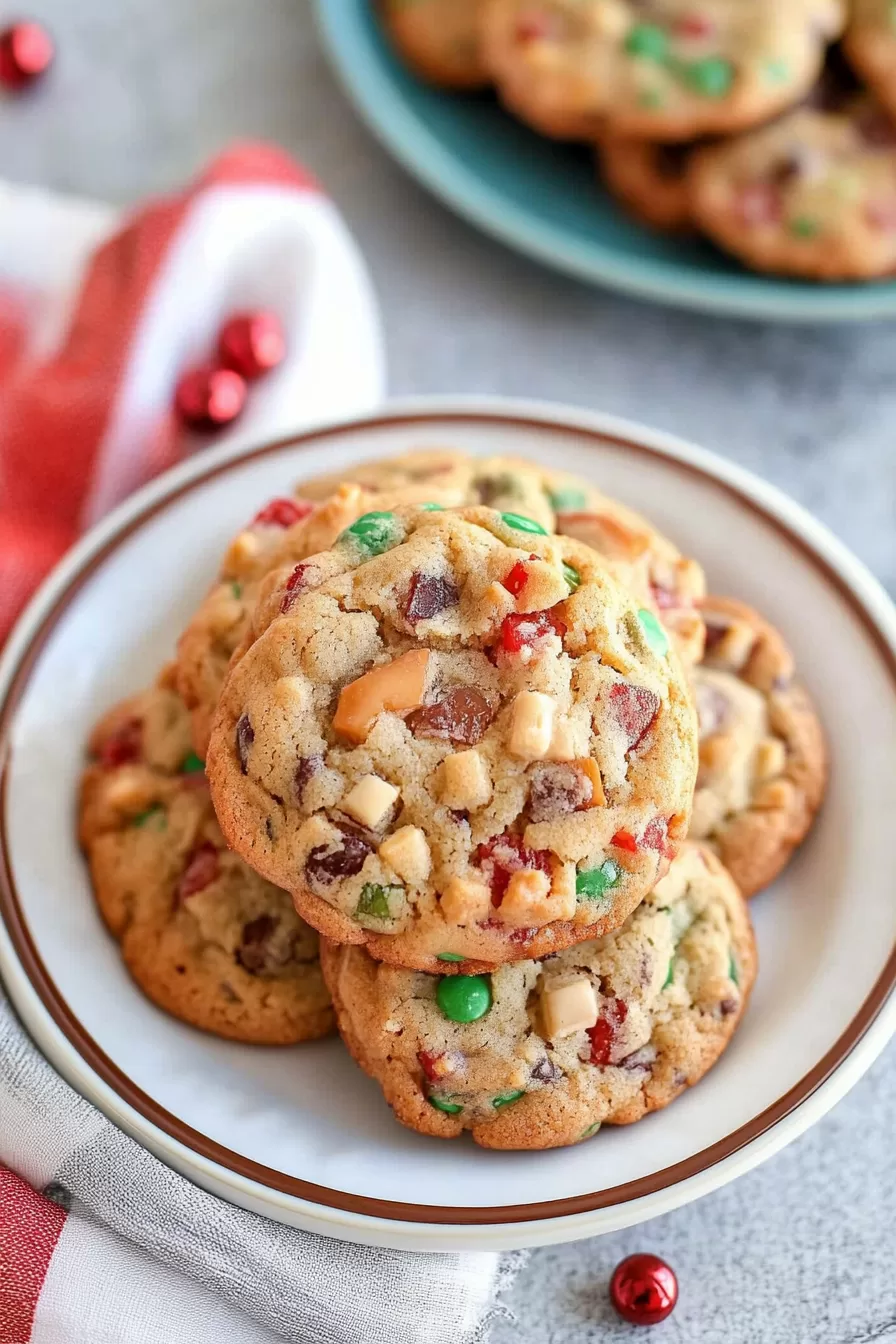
point(192, 764)
point(464, 998)
point(506, 1098)
point(450, 956)
point(520, 523)
point(236, 589)
point(654, 633)
point(647, 40)
point(372, 533)
point(572, 576)
point(595, 882)
point(670, 974)
point(449, 1107)
point(732, 970)
point(804, 227)
point(567, 499)
point(711, 78)
point(433, 508)
point(592, 1129)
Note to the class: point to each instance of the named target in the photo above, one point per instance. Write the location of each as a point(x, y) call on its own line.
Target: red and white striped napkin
point(99, 1242)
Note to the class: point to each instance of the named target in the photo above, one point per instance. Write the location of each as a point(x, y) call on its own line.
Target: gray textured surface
point(799, 1252)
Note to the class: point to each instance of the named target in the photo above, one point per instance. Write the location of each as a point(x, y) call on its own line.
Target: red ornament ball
point(26, 53)
point(252, 343)
point(209, 398)
point(644, 1289)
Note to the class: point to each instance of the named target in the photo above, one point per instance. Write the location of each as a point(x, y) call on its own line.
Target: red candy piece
point(504, 855)
point(522, 630)
point(515, 581)
point(758, 203)
point(644, 1289)
point(124, 747)
point(656, 836)
point(208, 398)
point(625, 840)
point(694, 26)
point(283, 512)
point(603, 1034)
point(304, 576)
point(200, 872)
point(26, 53)
point(252, 343)
point(635, 708)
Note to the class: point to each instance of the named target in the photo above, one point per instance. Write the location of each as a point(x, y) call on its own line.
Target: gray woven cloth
point(301, 1287)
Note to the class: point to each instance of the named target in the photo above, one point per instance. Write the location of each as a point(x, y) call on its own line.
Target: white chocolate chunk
point(771, 758)
point(466, 783)
point(531, 725)
point(407, 853)
point(241, 552)
point(370, 801)
point(527, 900)
point(568, 1008)
point(466, 902)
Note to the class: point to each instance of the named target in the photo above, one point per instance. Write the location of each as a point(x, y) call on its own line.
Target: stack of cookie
point(479, 727)
point(740, 120)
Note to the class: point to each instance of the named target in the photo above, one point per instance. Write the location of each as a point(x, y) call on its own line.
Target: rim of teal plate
point(357, 58)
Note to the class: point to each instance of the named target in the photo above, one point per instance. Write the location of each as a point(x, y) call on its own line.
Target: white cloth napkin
point(100, 1243)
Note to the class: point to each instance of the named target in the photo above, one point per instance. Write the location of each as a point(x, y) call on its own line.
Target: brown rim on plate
point(58, 1009)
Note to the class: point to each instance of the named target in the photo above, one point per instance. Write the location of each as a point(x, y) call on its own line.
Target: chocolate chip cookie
point(813, 194)
point(455, 736)
point(763, 761)
point(671, 70)
point(202, 935)
point(438, 39)
point(540, 1054)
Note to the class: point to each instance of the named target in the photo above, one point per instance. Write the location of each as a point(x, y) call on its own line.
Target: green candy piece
point(711, 78)
point(450, 956)
point(373, 532)
point(776, 72)
point(449, 1107)
point(654, 633)
point(648, 40)
point(572, 576)
point(803, 227)
point(520, 523)
point(732, 970)
point(156, 810)
point(192, 764)
point(433, 508)
point(592, 1129)
point(567, 499)
point(506, 1098)
point(374, 900)
point(670, 974)
point(236, 589)
point(595, 882)
point(464, 998)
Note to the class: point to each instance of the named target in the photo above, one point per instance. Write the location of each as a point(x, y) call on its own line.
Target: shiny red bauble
point(644, 1289)
point(26, 53)
point(209, 398)
point(252, 343)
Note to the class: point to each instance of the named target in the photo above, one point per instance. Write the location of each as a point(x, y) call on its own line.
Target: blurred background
point(141, 95)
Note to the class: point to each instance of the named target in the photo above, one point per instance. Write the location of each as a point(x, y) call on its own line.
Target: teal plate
point(542, 197)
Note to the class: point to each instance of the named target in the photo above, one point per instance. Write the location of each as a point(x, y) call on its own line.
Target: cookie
point(438, 39)
point(540, 1054)
point(455, 737)
point(202, 935)
point(812, 195)
point(648, 564)
point(670, 70)
point(763, 760)
point(649, 180)
point(288, 529)
point(869, 44)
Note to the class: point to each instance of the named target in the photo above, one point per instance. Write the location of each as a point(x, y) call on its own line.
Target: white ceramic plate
point(300, 1134)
